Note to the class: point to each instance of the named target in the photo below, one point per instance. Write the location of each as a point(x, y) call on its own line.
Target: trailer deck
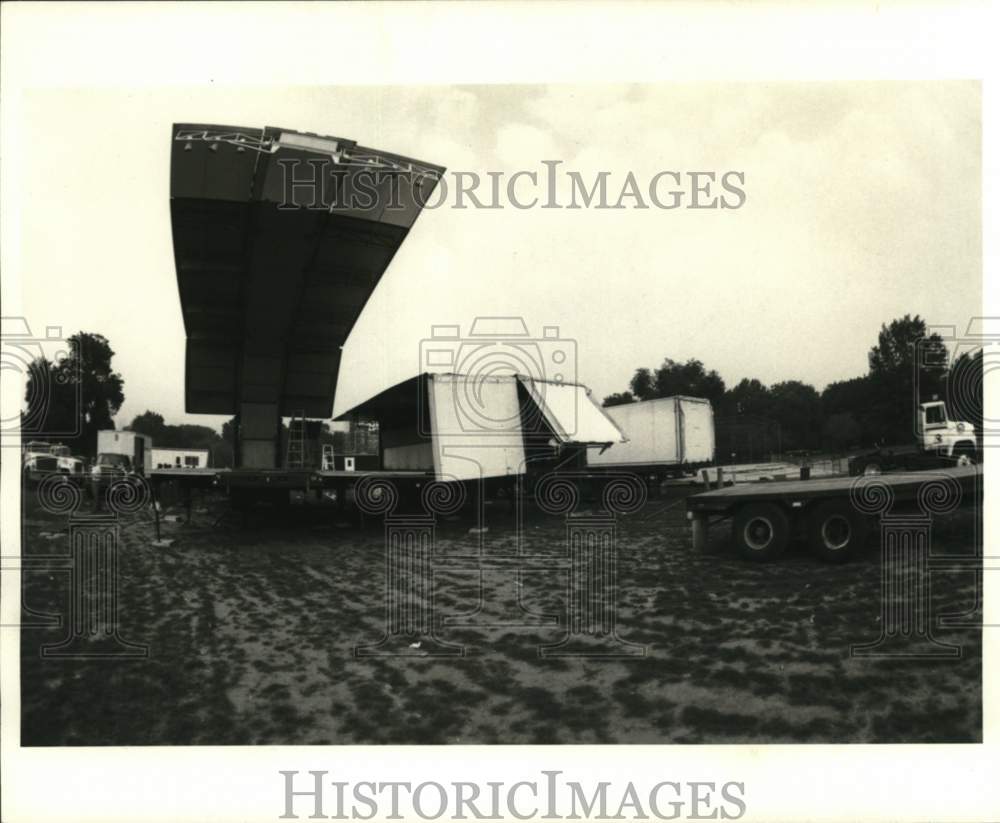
point(904, 485)
point(765, 514)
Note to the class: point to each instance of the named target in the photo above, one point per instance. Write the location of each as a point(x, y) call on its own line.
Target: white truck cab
point(936, 433)
point(67, 462)
point(38, 461)
point(42, 459)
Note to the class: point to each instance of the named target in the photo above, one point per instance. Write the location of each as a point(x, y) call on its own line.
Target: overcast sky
point(862, 204)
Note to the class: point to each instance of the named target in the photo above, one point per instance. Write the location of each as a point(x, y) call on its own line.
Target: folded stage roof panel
point(273, 269)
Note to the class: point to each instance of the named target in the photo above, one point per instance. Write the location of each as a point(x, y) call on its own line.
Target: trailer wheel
point(872, 467)
point(760, 531)
point(836, 531)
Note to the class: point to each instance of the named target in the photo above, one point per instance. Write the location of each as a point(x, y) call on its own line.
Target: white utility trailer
point(667, 437)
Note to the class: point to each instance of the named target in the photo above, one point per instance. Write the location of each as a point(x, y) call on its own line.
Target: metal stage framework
point(277, 253)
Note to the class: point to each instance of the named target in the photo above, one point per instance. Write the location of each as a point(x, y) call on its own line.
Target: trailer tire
point(836, 531)
point(761, 531)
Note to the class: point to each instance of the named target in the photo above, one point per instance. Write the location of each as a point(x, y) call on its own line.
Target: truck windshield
point(60, 451)
point(117, 460)
point(934, 415)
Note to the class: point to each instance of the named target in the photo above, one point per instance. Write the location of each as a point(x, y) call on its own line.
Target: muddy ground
point(252, 629)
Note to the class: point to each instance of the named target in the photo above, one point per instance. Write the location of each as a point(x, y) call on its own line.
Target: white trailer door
point(572, 413)
point(476, 427)
point(698, 430)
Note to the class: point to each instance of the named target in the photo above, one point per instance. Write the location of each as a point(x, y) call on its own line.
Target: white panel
point(476, 427)
point(415, 457)
point(699, 431)
point(572, 413)
point(651, 428)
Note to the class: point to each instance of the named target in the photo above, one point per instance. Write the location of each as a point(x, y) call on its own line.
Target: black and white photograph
point(489, 429)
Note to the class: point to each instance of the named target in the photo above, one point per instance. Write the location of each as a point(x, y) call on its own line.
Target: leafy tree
point(149, 423)
point(906, 366)
point(852, 402)
point(82, 391)
point(689, 378)
point(642, 384)
point(749, 396)
point(796, 408)
point(618, 399)
point(841, 430)
point(847, 395)
point(670, 379)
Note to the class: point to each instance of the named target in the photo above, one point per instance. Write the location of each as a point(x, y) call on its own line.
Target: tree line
point(905, 363)
point(81, 393)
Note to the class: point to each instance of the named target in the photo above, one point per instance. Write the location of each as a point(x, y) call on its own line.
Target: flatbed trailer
point(246, 487)
point(835, 514)
point(905, 458)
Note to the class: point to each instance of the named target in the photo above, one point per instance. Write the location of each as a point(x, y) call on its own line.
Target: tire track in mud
point(252, 637)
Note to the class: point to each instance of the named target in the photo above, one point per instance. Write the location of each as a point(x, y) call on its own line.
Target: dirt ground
point(251, 632)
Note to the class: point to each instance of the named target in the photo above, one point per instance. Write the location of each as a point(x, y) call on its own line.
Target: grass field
point(251, 632)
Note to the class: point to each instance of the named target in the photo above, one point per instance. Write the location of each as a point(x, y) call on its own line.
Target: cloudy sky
point(862, 204)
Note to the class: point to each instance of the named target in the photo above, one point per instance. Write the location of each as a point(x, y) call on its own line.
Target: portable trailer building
point(665, 436)
point(465, 427)
point(165, 457)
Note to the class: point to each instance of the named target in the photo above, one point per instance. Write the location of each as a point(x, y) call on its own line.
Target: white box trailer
point(138, 448)
point(666, 436)
point(470, 427)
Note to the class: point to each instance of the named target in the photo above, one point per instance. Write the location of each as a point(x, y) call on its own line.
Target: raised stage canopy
point(280, 237)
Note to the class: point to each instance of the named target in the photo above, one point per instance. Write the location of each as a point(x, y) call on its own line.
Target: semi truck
point(120, 454)
point(41, 459)
point(940, 442)
point(667, 437)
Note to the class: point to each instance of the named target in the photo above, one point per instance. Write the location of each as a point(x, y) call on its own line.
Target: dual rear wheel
point(834, 530)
